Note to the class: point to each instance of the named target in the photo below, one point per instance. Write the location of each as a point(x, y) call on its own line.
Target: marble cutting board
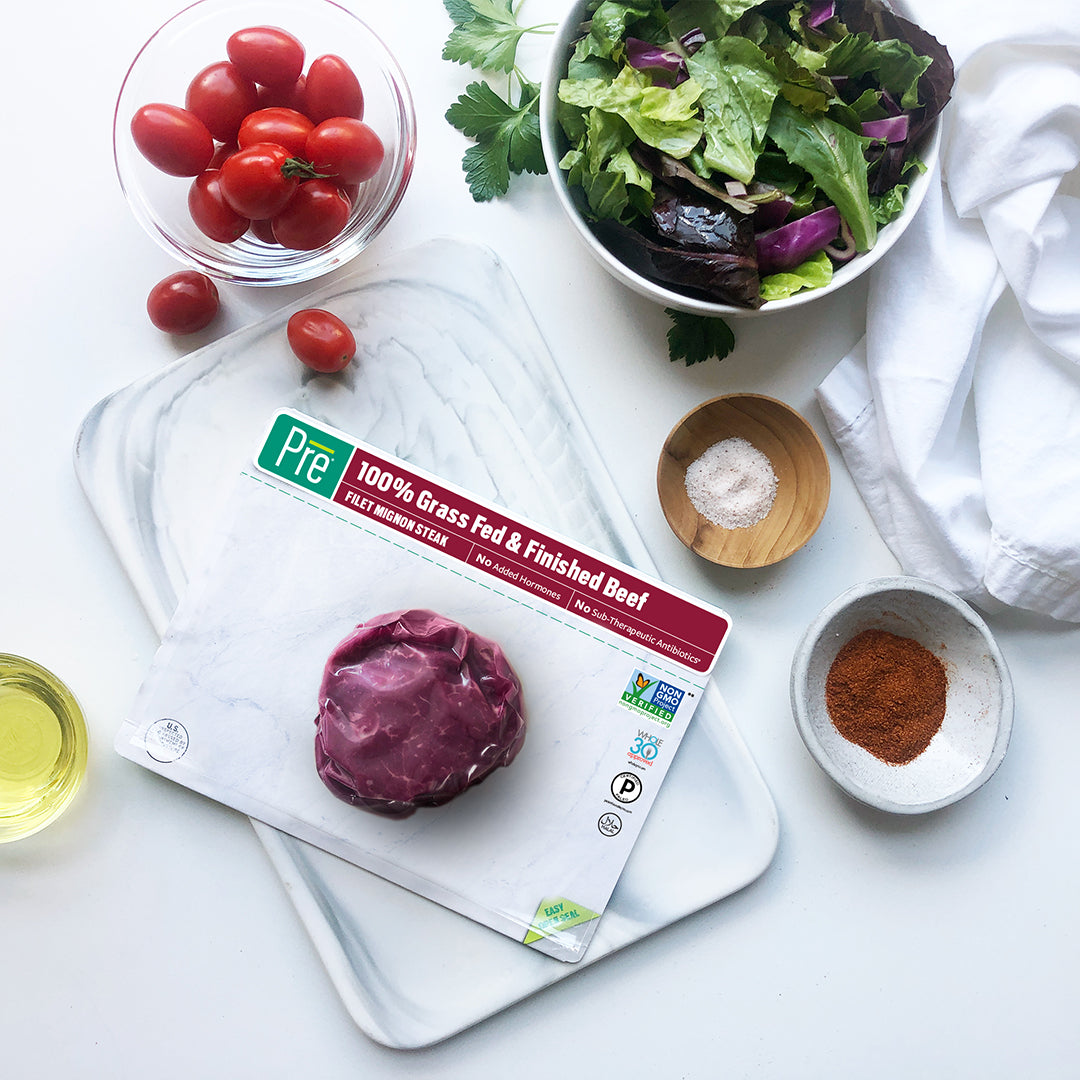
point(453, 375)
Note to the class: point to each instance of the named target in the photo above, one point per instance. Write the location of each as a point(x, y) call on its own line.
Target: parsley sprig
point(505, 127)
point(696, 338)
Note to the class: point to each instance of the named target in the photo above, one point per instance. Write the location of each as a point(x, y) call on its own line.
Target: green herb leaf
point(488, 40)
point(487, 169)
point(696, 338)
point(507, 137)
point(460, 11)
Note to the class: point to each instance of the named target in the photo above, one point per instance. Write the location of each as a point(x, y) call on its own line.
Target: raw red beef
point(413, 709)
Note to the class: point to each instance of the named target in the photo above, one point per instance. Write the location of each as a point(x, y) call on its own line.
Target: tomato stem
point(303, 170)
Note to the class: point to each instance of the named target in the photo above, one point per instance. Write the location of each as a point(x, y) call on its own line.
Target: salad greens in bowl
point(727, 157)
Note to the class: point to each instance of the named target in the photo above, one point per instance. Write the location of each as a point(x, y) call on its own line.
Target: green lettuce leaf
point(606, 193)
point(889, 206)
point(615, 185)
point(660, 117)
point(712, 16)
point(815, 273)
point(893, 63)
point(833, 155)
point(609, 26)
point(738, 87)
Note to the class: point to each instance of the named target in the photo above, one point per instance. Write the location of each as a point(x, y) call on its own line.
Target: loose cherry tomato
point(287, 97)
point(312, 217)
point(332, 90)
point(172, 139)
point(256, 182)
point(346, 149)
point(183, 302)
point(321, 340)
point(286, 127)
point(221, 97)
point(211, 213)
point(267, 55)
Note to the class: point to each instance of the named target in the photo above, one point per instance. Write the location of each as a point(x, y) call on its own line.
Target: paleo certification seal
point(166, 740)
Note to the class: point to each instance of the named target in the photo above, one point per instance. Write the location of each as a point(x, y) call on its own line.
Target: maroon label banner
point(579, 581)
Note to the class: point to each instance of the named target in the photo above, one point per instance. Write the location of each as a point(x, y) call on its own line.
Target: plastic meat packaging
point(359, 658)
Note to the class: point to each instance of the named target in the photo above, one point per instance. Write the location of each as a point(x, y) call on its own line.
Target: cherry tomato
point(286, 127)
point(321, 340)
point(211, 213)
point(312, 217)
point(287, 97)
point(264, 231)
point(255, 181)
point(183, 302)
point(332, 90)
point(267, 55)
point(221, 97)
point(345, 148)
point(223, 151)
point(172, 139)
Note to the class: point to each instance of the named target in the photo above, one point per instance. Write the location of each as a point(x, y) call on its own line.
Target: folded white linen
point(958, 414)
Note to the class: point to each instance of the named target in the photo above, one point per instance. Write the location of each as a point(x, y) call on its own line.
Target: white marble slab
point(453, 376)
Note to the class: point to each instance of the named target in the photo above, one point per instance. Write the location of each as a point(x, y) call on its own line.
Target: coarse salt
point(732, 484)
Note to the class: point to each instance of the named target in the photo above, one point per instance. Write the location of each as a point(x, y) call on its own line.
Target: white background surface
point(146, 934)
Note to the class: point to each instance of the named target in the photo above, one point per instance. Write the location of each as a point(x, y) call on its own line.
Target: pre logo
point(304, 455)
point(652, 696)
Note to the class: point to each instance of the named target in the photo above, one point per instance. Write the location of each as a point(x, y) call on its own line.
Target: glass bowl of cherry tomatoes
point(265, 142)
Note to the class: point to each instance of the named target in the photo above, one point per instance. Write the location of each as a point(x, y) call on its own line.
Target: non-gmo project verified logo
point(652, 696)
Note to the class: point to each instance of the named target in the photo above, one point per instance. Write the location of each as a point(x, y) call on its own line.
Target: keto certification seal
point(166, 740)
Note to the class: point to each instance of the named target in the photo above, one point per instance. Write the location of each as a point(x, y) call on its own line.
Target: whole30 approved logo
point(652, 696)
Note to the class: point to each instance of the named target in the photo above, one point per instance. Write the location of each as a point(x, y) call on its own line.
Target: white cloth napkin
point(958, 414)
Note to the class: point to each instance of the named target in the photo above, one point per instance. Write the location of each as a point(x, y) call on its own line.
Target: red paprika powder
point(886, 694)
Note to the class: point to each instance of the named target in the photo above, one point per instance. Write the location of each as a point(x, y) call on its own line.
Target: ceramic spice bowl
point(795, 454)
point(974, 734)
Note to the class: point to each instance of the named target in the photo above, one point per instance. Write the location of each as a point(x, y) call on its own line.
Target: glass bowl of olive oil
point(42, 747)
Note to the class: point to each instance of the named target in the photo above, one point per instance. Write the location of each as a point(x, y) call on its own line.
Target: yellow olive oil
point(42, 747)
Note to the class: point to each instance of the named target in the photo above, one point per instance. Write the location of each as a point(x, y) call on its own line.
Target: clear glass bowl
point(195, 37)
point(42, 747)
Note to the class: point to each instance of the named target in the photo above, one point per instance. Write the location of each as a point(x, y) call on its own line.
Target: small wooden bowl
point(796, 455)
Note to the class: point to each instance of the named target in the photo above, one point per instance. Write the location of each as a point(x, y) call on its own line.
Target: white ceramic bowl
point(195, 37)
point(975, 733)
point(572, 200)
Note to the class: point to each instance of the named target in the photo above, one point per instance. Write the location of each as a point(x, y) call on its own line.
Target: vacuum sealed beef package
point(413, 709)
point(426, 685)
